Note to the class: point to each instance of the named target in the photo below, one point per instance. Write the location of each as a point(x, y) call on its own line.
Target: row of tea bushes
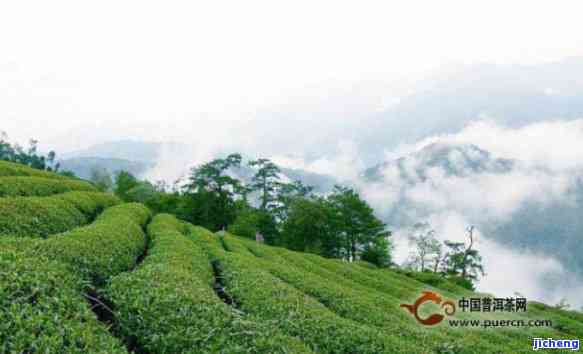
point(341, 296)
point(264, 295)
point(167, 305)
point(40, 186)
point(15, 169)
point(110, 245)
point(91, 204)
point(44, 283)
point(43, 310)
point(44, 216)
point(363, 304)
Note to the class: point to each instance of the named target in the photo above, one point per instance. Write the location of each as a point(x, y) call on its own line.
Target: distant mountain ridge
point(83, 166)
point(136, 157)
point(133, 150)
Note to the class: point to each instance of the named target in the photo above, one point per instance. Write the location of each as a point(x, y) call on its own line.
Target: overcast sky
point(74, 72)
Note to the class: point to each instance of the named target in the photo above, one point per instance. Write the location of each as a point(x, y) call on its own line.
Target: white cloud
point(550, 144)
point(344, 164)
point(547, 165)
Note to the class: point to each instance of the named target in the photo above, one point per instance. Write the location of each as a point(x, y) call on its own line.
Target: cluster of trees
point(458, 261)
point(288, 214)
point(28, 156)
point(339, 224)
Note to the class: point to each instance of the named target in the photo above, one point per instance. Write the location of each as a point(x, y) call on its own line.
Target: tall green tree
point(355, 224)
point(246, 223)
point(307, 227)
point(378, 252)
point(287, 194)
point(143, 192)
point(124, 182)
point(266, 181)
point(212, 193)
point(212, 176)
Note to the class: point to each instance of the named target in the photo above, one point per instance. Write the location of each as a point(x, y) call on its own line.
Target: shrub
point(168, 306)
point(90, 203)
point(14, 169)
point(40, 186)
point(42, 309)
point(108, 246)
point(44, 216)
point(246, 223)
point(440, 281)
point(38, 216)
point(263, 295)
point(566, 321)
point(20, 244)
point(352, 296)
point(366, 264)
point(463, 282)
point(339, 294)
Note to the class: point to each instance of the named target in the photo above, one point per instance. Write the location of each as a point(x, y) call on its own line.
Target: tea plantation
point(82, 272)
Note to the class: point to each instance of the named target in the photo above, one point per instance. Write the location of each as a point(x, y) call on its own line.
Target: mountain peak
point(451, 158)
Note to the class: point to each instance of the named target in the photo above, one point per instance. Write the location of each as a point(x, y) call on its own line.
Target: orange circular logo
point(448, 306)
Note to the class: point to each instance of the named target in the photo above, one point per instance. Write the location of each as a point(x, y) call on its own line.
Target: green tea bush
point(44, 216)
point(340, 295)
point(167, 305)
point(104, 248)
point(90, 204)
point(38, 216)
point(570, 322)
point(361, 302)
point(43, 288)
point(15, 169)
point(297, 314)
point(42, 309)
point(40, 186)
point(365, 264)
point(18, 244)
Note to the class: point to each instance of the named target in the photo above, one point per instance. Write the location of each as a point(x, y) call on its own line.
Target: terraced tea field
point(82, 272)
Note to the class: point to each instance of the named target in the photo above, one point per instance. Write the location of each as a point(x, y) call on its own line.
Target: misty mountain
point(552, 230)
point(134, 156)
point(132, 150)
point(453, 160)
point(504, 198)
point(82, 166)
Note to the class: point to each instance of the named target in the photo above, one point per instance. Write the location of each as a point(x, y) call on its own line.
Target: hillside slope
point(82, 273)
